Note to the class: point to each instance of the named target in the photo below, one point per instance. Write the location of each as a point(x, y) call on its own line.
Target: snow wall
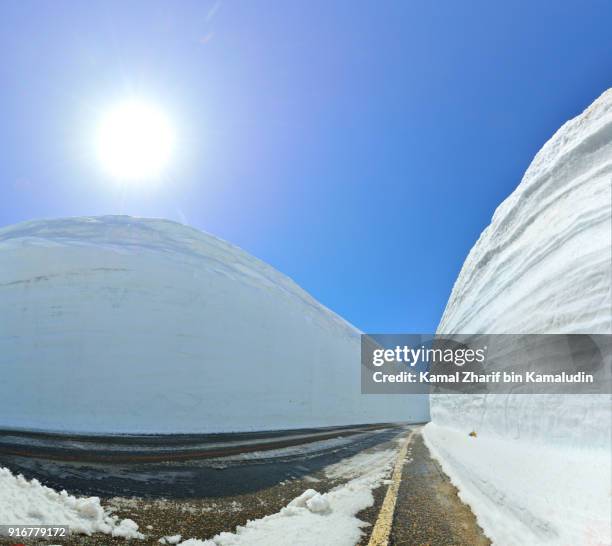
point(123, 325)
point(543, 266)
point(540, 468)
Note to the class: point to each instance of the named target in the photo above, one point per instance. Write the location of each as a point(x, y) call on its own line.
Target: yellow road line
point(384, 522)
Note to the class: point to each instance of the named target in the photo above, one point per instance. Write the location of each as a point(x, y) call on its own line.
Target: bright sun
point(135, 141)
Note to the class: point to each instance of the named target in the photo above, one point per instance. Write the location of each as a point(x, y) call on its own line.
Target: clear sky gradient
point(359, 147)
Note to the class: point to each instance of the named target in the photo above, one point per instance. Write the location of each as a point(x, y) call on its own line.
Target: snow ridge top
point(128, 234)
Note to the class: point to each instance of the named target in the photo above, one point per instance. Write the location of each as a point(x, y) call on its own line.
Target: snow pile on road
point(148, 326)
point(544, 265)
point(528, 494)
point(174, 539)
point(27, 502)
point(327, 519)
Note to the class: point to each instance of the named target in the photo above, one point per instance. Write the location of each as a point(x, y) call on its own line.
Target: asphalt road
point(203, 497)
point(428, 510)
point(172, 477)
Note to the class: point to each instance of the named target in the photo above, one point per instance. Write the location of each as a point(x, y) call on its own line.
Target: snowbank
point(148, 326)
point(27, 502)
point(544, 265)
point(527, 494)
point(313, 518)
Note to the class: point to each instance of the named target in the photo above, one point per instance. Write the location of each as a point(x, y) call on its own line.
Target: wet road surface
point(202, 498)
point(221, 477)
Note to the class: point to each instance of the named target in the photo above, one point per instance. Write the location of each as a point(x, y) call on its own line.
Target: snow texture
point(147, 326)
point(27, 502)
point(531, 494)
point(543, 265)
point(174, 539)
point(312, 518)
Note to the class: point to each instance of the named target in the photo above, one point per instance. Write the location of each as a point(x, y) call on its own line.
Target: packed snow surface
point(27, 502)
point(544, 265)
point(528, 494)
point(132, 325)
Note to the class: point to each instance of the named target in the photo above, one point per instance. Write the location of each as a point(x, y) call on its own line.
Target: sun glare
point(135, 141)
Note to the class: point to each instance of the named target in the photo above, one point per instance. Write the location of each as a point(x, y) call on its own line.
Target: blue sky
point(359, 147)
